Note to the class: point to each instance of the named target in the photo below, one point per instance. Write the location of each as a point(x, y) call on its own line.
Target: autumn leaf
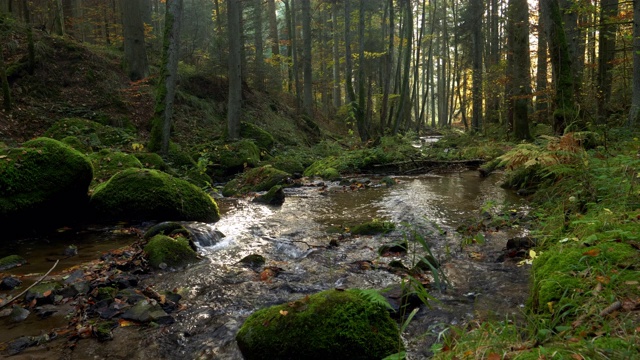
point(577, 357)
point(494, 356)
point(46, 293)
point(284, 312)
point(602, 279)
point(125, 323)
point(592, 252)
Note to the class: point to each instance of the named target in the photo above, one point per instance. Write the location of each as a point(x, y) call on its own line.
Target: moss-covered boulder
point(258, 179)
point(151, 161)
point(89, 132)
point(261, 138)
point(107, 163)
point(329, 325)
point(144, 194)
point(162, 249)
point(373, 227)
point(75, 143)
point(287, 163)
point(37, 178)
point(11, 261)
point(231, 158)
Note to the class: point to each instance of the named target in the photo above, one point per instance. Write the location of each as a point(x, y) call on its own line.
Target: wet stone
point(10, 283)
point(130, 296)
point(18, 314)
point(42, 293)
point(19, 345)
point(45, 311)
point(145, 312)
point(74, 276)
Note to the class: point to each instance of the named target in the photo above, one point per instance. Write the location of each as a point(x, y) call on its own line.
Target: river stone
point(42, 293)
point(19, 345)
point(144, 194)
point(172, 252)
point(275, 196)
point(45, 311)
point(18, 313)
point(328, 325)
point(144, 312)
point(37, 178)
point(11, 261)
point(254, 180)
point(10, 283)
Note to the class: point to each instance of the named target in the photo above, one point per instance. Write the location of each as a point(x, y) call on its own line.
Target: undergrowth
point(585, 287)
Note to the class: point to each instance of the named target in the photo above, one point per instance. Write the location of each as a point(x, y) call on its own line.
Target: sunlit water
point(221, 292)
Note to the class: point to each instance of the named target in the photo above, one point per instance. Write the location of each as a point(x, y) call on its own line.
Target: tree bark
point(561, 64)
point(58, 19)
point(404, 110)
point(165, 94)
point(235, 71)
point(348, 73)
point(275, 45)
point(337, 94)
point(259, 61)
point(307, 100)
point(135, 53)
point(541, 70)
point(634, 113)
point(388, 69)
point(31, 57)
point(520, 77)
point(6, 92)
point(606, 55)
point(363, 131)
point(476, 120)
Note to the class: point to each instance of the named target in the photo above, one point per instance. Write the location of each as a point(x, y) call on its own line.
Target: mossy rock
point(172, 252)
point(261, 138)
point(151, 161)
point(258, 179)
point(178, 158)
point(107, 163)
point(231, 158)
point(290, 164)
point(89, 132)
point(75, 143)
point(37, 178)
point(324, 168)
point(557, 272)
point(11, 261)
point(329, 325)
point(373, 227)
point(275, 196)
point(166, 228)
point(144, 194)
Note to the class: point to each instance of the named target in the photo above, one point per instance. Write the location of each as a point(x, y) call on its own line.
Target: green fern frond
point(375, 297)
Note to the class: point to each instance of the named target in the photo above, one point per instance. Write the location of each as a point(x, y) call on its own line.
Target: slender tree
point(348, 72)
point(135, 52)
point(541, 69)
point(307, 99)
point(6, 92)
point(165, 94)
point(337, 94)
point(235, 71)
point(31, 59)
point(274, 40)
point(606, 55)
point(259, 61)
point(363, 129)
point(634, 113)
point(477, 11)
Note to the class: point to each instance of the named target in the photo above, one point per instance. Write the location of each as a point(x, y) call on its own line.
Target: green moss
point(89, 132)
point(167, 228)
point(258, 179)
point(106, 293)
point(144, 194)
point(230, 158)
point(11, 261)
point(286, 163)
point(261, 138)
point(328, 325)
point(107, 163)
point(376, 226)
point(275, 196)
point(562, 276)
point(173, 252)
point(75, 143)
point(36, 178)
point(151, 161)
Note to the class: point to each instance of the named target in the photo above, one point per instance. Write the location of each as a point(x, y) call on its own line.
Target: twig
point(611, 308)
point(32, 285)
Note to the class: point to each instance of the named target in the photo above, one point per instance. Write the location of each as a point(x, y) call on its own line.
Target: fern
point(375, 297)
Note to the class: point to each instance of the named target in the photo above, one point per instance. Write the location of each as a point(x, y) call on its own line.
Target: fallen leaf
point(603, 279)
point(631, 283)
point(592, 252)
point(577, 357)
point(46, 293)
point(125, 323)
point(284, 312)
point(494, 356)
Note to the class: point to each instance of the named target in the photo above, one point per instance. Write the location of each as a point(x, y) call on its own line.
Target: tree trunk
point(235, 70)
point(348, 73)
point(165, 94)
point(363, 131)
point(294, 49)
point(606, 55)
point(634, 113)
point(31, 57)
point(337, 94)
point(6, 92)
point(307, 100)
point(58, 19)
point(519, 34)
point(574, 35)
point(541, 70)
point(404, 110)
point(259, 61)
point(561, 64)
point(476, 120)
point(388, 69)
point(135, 53)
point(275, 45)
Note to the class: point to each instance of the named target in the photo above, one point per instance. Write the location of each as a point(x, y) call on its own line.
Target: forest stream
point(307, 258)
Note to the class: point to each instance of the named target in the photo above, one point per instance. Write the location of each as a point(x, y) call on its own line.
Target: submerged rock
point(258, 179)
point(275, 196)
point(9, 283)
point(18, 313)
point(329, 325)
point(144, 312)
point(42, 293)
point(143, 194)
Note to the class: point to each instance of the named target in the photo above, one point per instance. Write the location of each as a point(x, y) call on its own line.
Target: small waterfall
point(204, 234)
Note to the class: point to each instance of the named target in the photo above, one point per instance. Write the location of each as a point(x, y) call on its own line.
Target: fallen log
point(423, 165)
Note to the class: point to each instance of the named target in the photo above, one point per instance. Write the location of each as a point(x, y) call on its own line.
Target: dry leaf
point(284, 312)
point(592, 252)
point(125, 323)
point(577, 357)
point(494, 356)
point(602, 279)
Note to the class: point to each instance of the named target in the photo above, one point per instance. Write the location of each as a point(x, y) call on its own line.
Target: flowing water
point(298, 241)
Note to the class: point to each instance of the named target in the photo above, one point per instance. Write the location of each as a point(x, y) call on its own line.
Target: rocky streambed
point(307, 247)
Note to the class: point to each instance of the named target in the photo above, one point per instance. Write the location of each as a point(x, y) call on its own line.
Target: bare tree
point(634, 113)
point(307, 99)
point(520, 78)
point(135, 52)
point(235, 71)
